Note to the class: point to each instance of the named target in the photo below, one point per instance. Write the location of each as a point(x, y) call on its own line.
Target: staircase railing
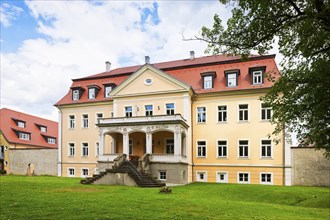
point(134, 169)
point(144, 162)
point(119, 160)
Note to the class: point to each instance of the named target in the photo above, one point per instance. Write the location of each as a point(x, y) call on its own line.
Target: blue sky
point(45, 44)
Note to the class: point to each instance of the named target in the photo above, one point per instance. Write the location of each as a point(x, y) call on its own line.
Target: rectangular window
point(149, 110)
point(266, 112)
point(75, 94)
point(169, 146)
point(71, 172)
point(108, 89)
point(266, 178)
point(243, 148)
point(162, 175)
point(266, 148)
point(85, 149)
point(71, 150)
point(201, 176)
point(128, 111)
point(98, 117)
point(257, 77)
point(243, 112)
point(222, 148)
point(85, 121)
point(170, 109)
point(130, 147)
point(222, 177)
point(24, 136)
point(208, 84)
point(201, 114)
point(72, 121)
point(97, 149)
point(201, 148)
point(43, 129)
point(91, 93)
point(243, 178)
point(231, 79)
point(21, 124)
point(222, 113)
point(51, 140)
point(84, 172)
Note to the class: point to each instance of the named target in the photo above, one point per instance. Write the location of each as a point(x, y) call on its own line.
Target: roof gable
point(149, 80)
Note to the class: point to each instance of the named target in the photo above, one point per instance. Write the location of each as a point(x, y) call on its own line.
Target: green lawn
point(45, 197)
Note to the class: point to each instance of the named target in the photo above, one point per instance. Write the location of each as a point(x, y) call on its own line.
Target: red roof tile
point(187, 71)
point(9, 128)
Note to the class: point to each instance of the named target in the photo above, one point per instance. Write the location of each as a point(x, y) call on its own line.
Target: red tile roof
point(187, 71)
point(9, 128)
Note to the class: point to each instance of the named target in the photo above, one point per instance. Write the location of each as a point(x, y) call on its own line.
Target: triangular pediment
point(149, 80)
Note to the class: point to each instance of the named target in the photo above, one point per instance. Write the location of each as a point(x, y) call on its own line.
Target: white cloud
point(81, 36)
point(8, 13)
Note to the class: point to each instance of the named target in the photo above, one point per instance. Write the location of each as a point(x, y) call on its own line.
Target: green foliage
point(300, 99)
point(45, 197)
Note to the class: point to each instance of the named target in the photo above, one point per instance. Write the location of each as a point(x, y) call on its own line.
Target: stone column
point(148, 141)
point(177, 141)
point(125, 142)
point(101, 144)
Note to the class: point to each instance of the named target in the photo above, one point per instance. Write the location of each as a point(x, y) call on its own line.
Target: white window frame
point(160, 176)
point(248, 147)
point(21, 124)
point(24, 136)
point(222, 113)
point(69, 173)
point(84, 121)
point(271, 149)
point(97, 149)
point(208, 82)
point(265, 182)
point(172, 111)
point(198, 146)
point(243, 182)
point(236, 81)
point(201, 113)
point(72, 122)
point(91, 95)
point(165, 144)
point(198, 173)
point(217, 144)
point(97, 116)
point(71, 147)
point(107, 92)
point(51, 140)
point(266, 109)
point(83, 146)
point(82, 172)
point(126, 112)
point(243, 110)
point(257, 79)
point(147, 112)
point(218, 176)
point(43, 129)
point(75, 94)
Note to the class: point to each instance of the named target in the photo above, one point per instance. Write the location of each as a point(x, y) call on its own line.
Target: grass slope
point(45, 197)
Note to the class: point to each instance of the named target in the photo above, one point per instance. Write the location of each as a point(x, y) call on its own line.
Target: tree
point(300, 98)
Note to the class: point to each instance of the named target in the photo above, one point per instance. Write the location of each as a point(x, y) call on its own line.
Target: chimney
point(192, 55)
point(147, 59)
point(107, 66)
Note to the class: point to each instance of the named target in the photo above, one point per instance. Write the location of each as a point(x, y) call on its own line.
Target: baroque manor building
point(197, 119)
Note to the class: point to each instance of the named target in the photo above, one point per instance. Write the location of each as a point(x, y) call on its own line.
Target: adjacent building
point(28, 144)
point(196, 119)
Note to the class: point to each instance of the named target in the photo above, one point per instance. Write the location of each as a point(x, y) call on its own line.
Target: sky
point(45, 44)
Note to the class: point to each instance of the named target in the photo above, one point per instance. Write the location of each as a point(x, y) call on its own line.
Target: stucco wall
point(42, 161)
point(310, 167)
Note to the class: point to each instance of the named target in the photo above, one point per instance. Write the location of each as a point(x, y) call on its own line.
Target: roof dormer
point(108, 87)
point(208, 79)
point(232, 77)
point(257, 75)
point(19, 123)
point(93, 90)
point(77, 92)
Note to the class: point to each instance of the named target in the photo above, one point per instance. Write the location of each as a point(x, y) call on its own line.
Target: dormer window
point(24, 136)
point(43, 129)
point(257, 75)
point(208, 79)
point(232, 78)
point(92, 91)
point(51, 140)
point(21, 124)
point(76, 93)
point(108, 88)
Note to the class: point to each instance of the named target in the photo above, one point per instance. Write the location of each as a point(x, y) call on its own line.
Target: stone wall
point(116, 179)
point(310, 167)
point(176, 173)
point(33, 161)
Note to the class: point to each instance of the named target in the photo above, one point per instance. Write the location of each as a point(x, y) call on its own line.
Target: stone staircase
point(141, 179)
